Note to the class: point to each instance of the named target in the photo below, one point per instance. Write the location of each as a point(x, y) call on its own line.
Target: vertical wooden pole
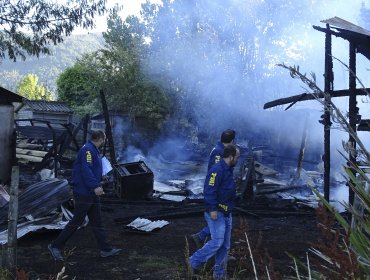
point(247, 189)
point(353, 110)
point(85, 127)
point(302, 149)
point(329, 78)
point(12, 220)
point(108, 128)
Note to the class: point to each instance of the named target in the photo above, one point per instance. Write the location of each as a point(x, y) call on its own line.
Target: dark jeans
point(84, 205)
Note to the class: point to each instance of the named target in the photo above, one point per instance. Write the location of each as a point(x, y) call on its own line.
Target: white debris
point(177, 182)
point(163, 188)
point(46, 174)
point(171, 197)
point(106, 166)
point(147, 225)
point(23, 229)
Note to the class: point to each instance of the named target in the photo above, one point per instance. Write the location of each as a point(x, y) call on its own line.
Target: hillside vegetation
point(49, 67)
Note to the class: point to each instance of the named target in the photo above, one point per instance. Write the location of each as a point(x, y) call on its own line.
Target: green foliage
point(71, 86)
point(128, 88)
point(28, 27)
point(117, 69)
point(49, 67)
point(30, 88)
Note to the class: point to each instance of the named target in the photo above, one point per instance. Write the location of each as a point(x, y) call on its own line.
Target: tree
point(28, 27)
point(117, 69)
point(29, 88)
point(128, 88)
point(79, 85)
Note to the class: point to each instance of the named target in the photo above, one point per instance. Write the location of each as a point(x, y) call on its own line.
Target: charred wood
point(311, 96)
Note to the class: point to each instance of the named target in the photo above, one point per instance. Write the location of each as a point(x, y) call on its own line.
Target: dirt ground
point(161, 254)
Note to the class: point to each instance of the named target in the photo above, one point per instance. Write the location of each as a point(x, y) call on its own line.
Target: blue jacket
point(219, 188)
point(87, 170)
point(216, 154)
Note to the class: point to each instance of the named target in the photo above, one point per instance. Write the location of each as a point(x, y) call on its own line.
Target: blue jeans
point(204, 233)
point(218, 245)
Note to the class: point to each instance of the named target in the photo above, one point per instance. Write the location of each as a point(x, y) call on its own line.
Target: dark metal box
point(133, 180)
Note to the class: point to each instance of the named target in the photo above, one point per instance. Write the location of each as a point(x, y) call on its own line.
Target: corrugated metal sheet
point(39, 199)
point(346, 25)
point(48, 106)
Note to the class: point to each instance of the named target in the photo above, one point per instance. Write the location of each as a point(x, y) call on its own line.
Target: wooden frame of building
point(359, 42)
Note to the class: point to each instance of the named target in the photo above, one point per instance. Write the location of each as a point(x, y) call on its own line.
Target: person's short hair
point(97, 134)
point(227, 136)
point(229, 151)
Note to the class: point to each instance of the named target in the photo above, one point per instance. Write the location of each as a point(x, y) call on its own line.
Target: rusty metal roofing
point(7, 97)
point(48, 106)
point(346, 25)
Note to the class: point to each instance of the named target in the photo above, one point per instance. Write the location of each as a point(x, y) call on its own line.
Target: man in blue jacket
point(87, 189)
point(227, 139)
point(219, 197)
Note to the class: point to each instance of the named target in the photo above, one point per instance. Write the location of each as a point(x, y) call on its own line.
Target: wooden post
point(329, 78)
point(6, 140)
point(247, 188)
point(352, 110)
point(85, 127)
point(108, 128)
point(302, 149)
point(12, 220)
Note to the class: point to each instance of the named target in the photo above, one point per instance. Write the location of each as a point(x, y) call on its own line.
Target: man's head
point(231, 155)
point(228, 136)
point(98, 138)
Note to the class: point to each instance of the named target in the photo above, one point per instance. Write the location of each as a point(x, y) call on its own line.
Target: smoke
point(222, 56)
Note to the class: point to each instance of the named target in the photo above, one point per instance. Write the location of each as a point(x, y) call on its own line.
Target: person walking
point(219, 197)
point(227, 139)
point(87, 189)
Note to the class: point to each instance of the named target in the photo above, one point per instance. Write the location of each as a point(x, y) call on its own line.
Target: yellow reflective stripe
point(223, 206)
point(217, 159)
point(88, 156)
point(212, 180)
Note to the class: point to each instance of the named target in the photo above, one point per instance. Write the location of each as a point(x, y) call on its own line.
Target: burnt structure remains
point(359, 42)
point(7, 138)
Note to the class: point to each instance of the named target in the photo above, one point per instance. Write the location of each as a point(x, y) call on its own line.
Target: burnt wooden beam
point(13, 220)
point(250, 179)
point(311, 96)
point(108, 128)
point(364, 125)
point(328, 87)
point(361, 40)
point(85, 125)
point(303, 147)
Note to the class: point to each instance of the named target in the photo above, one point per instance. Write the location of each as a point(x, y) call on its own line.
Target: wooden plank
point(13, 220)
point(31, 152)
point(24, 145)
point(263, 169)
point(30, 158)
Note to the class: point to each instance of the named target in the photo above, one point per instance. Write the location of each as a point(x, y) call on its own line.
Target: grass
point(153, 262)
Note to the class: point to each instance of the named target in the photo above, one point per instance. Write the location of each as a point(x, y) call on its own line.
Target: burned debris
point(133, 180)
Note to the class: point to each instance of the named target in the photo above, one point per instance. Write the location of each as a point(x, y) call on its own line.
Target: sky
point(129, 7)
